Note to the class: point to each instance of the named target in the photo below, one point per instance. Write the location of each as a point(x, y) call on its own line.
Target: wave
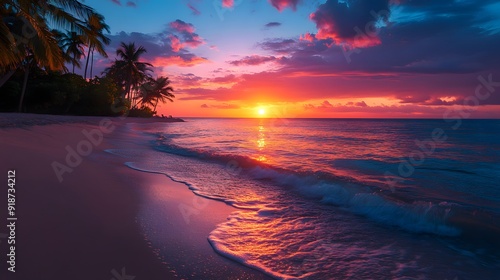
point(366, 200)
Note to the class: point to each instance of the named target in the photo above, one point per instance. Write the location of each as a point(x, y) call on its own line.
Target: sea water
point(342, 199)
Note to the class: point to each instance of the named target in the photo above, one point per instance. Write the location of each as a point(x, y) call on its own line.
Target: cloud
point(228, 79)
point(326, 105)
point(223, 106)
point(432, 46)
point(189, 78)
point(191, 81)
point(227, 3)
point(195, 11)
point(282, 4)
point(272, 24)
point(128, 3)
point(182, 61)
point(277, 45)
point(426, 60)
point(308, 37)
point(253, 60)
point(186, 32)
point(162, 49)
point(182, 26)
point(395, 111)
point(348, 21)
point(175, 43)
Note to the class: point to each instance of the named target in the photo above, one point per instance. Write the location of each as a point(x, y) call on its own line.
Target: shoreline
point(20, 120)
point(85, 226)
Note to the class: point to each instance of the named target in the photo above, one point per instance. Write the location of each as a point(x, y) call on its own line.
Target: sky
point(317, 58)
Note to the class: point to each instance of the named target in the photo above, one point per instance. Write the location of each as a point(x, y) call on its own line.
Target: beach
point(80, 222)
point(125, 198)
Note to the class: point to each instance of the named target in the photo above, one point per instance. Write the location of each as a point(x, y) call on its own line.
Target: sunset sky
point(338, 59)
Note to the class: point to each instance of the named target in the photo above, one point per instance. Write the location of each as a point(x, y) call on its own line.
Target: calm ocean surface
point(336, 199)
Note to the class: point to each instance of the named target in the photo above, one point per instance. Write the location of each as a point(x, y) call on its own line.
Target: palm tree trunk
point(74, 62)
point(25, 83)
point(128, 88)
point(7, 76)
point(92, 63)
point(87, 63)
point(154, 109)
point(133, 97)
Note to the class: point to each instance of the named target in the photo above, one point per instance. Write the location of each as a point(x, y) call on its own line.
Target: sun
point(261, 111)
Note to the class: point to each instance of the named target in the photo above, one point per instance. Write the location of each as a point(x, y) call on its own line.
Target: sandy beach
point(85, 225)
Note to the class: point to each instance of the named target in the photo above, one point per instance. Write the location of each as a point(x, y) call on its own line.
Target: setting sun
point(262, 111)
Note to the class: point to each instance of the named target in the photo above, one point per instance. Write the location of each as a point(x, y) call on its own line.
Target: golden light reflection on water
point(261, 143)
point(262, 158)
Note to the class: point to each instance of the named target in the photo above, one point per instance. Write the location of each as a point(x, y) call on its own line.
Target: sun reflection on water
point(261, 143)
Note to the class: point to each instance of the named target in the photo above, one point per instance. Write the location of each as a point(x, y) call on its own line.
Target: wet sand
point(85, 226)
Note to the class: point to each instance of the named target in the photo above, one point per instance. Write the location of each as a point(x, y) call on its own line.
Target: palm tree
point(96, 42)
point(72, 45)
point(25, 37)
point(24, 31)
point(128, 69)
point(156, 90)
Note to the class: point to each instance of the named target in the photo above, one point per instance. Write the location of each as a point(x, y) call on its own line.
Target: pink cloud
point(308, 37)
point(175, 43)
point(178, 60)
point(186, 35)
point(353, 22)
point(361, 109)
point(282, 4)
point(253, 60)
point(194, 10)
point(182, 26)
point(227, 3)
point(223, 106)
point(228, 79)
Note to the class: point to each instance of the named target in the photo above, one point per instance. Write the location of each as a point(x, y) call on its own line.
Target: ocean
point(341, 198)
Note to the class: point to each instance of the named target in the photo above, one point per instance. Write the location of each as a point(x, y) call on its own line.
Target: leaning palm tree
point(97, 40)
point(128, 68)
point(154, 91)
point(72, 45)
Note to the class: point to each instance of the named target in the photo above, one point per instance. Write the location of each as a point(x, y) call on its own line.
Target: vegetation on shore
point(41, 44)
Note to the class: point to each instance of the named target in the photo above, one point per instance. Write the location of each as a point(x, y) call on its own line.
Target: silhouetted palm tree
point(156, 90)
point(24, 31)
point(72, 44)
point(128, 70)
point(26, 40)
point(97, 40)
